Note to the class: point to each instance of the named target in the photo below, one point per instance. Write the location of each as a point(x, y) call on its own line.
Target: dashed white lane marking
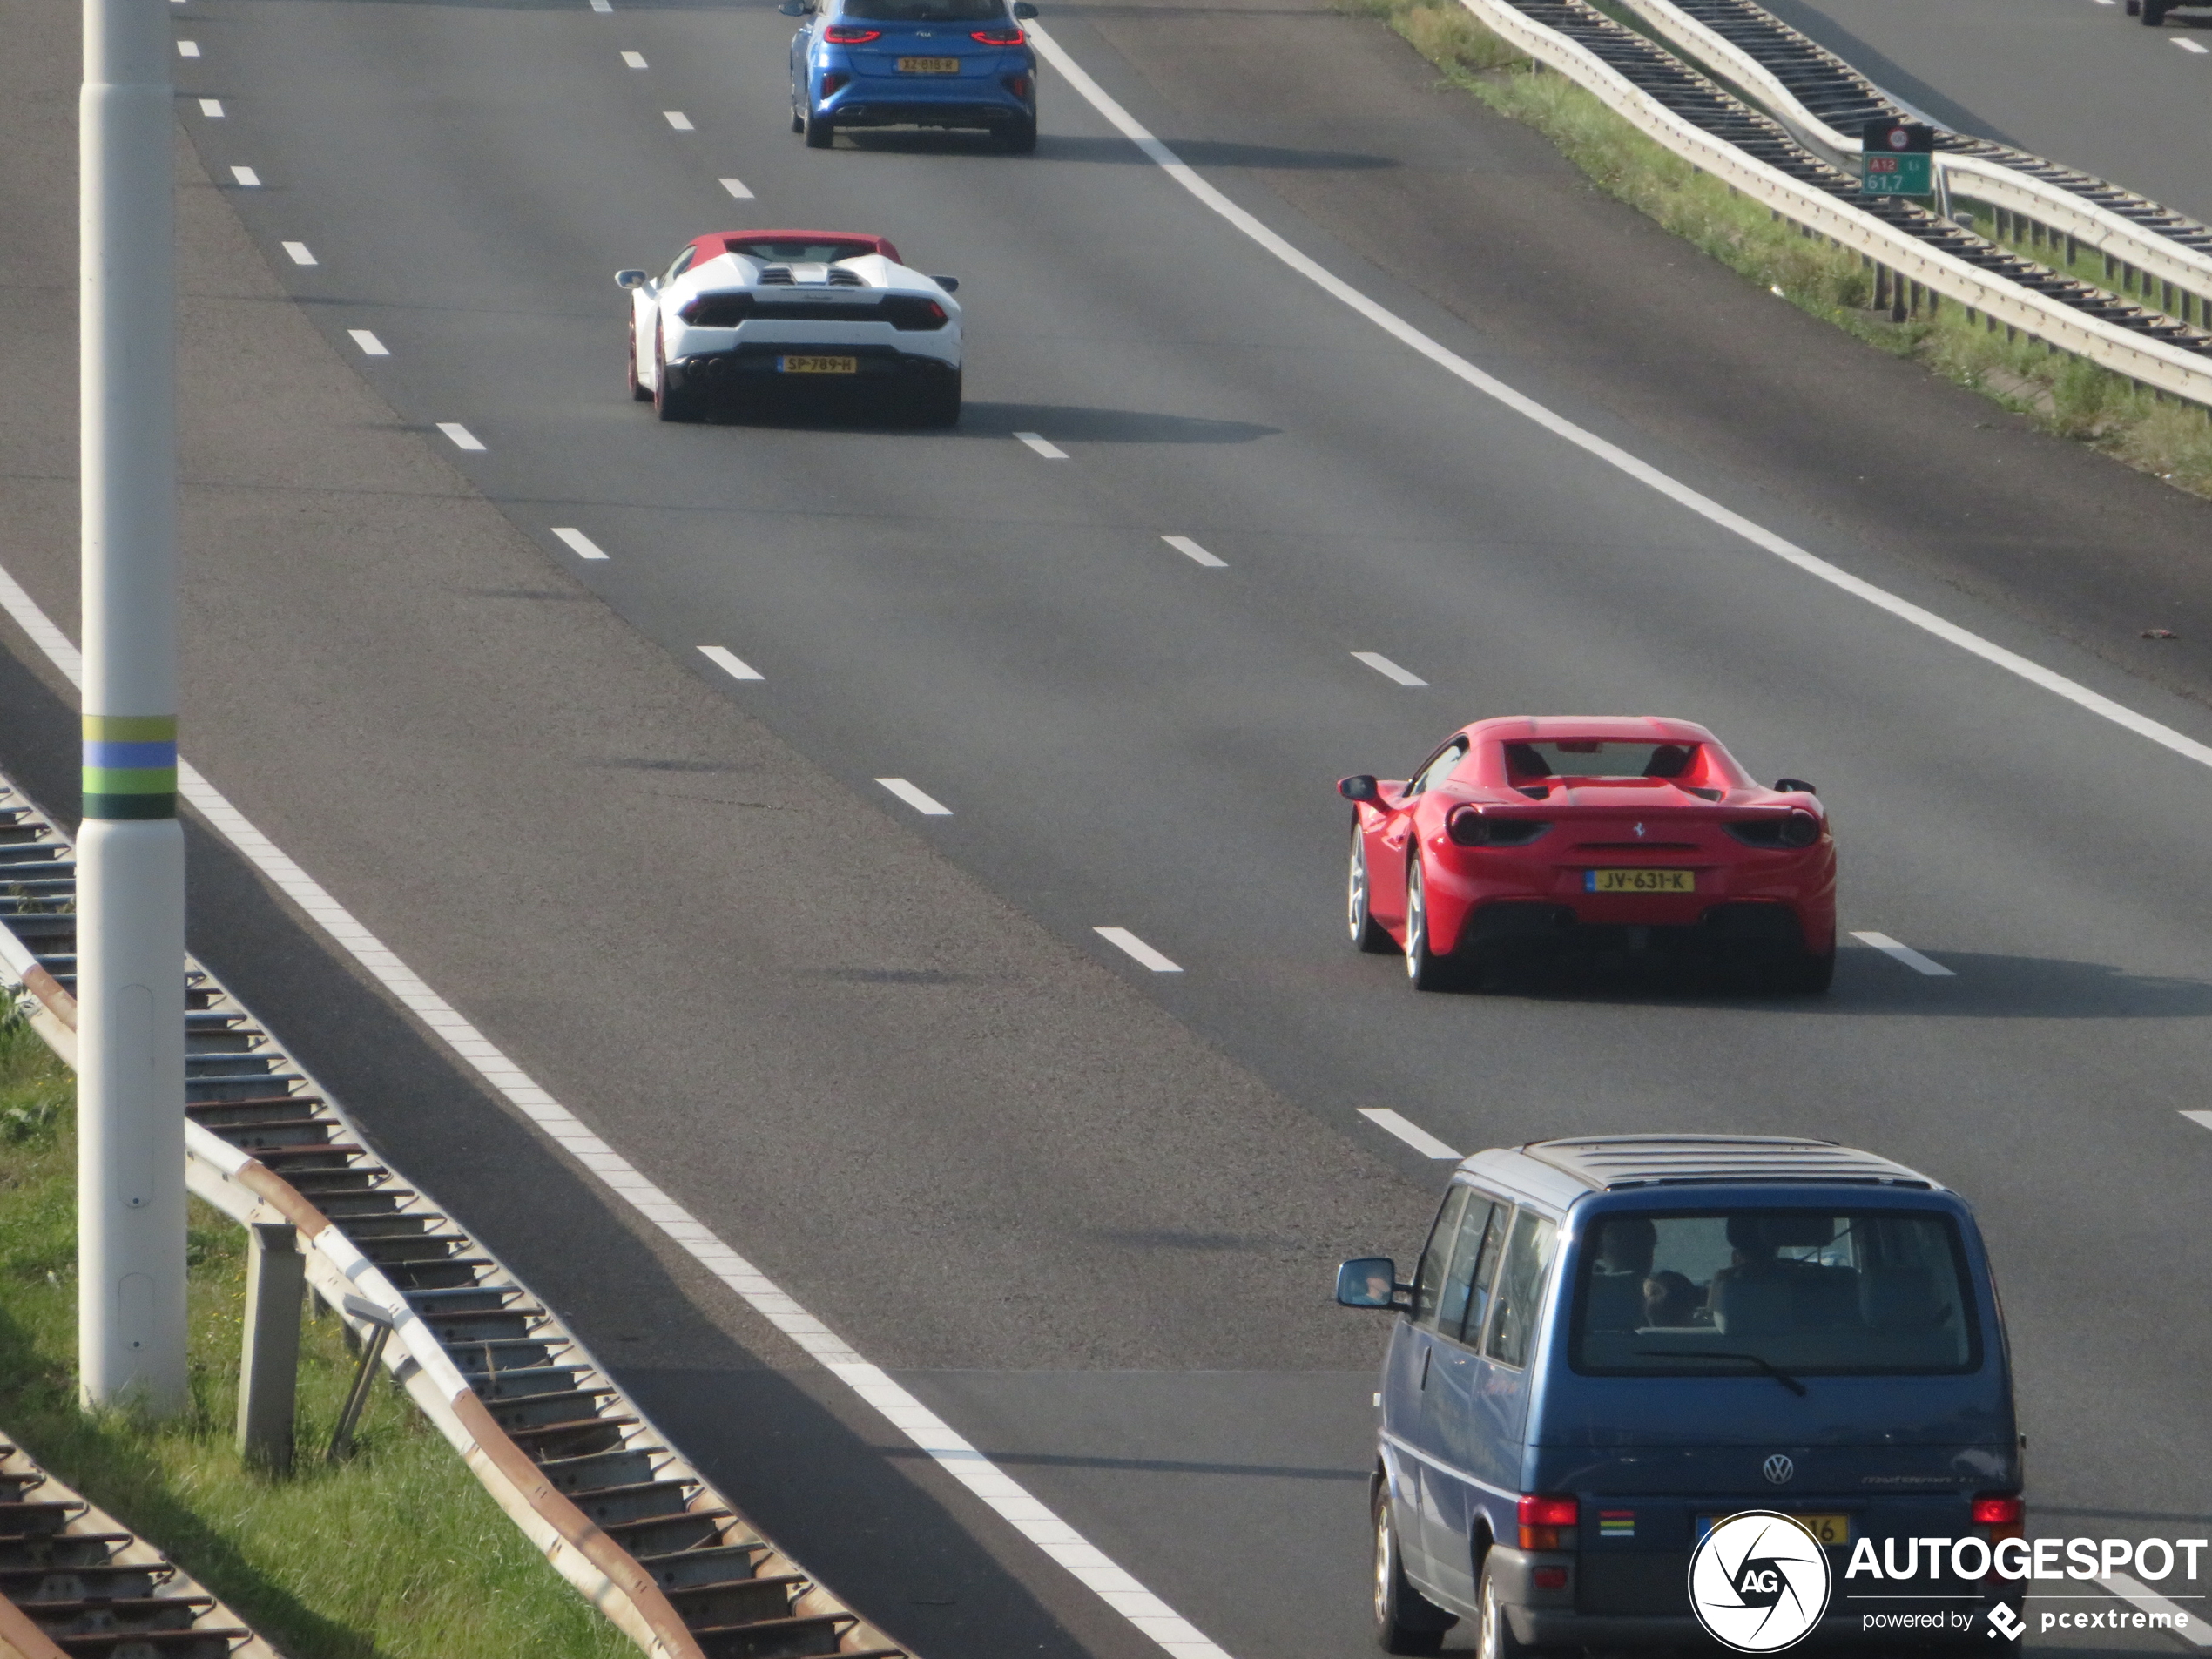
point(2203, 1118)
point(2189, 1626)
point(1905, 954)
point(461, 437)
point(1198, 555)
point(1012, 1501)
point(371, 346)
point(580, 544)
point(247, 177)
point(1043, 446)
point(731, 664)
point(929, 805)
point(187, 49)
point(736, 187)
point(1121, 939)
point(299, 253)
point(212, 108)
point(636, 60)
point(603, 5)
point(678, 119)
point(1387, 669)
point(1410, 1132)
point(1611, 454)
point(2189, 45)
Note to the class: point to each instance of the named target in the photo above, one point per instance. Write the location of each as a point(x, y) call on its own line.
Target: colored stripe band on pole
point(130, 765)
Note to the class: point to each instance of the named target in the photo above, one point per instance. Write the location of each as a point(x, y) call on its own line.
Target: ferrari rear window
point(802, 252)
point(1592, 759)
point(926, 11)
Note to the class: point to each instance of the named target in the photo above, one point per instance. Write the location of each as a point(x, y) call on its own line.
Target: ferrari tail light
point(718, 310)
point(1998, 1509)
point(1798, 828)
point(1468, 827)
point(911, 311)
point(839, 34)
point(1542, 1520)
point(997, 37)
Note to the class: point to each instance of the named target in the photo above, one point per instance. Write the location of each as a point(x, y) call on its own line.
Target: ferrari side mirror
point(630, 279)
point(950, 285)
point(1794, 786)
point(1360, 786)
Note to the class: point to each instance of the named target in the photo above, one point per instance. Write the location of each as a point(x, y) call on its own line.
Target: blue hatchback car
point(1611, 1345)
point(914, 62)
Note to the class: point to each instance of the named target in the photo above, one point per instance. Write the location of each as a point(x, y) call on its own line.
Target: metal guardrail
point(1755, 155)
point(1824, 101)
point(76, 1583)
point(628, 1521)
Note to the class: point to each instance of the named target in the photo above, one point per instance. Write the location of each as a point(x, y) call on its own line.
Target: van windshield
point(1802, 1292)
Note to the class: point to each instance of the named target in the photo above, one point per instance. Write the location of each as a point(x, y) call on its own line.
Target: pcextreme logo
point(1759, 1581)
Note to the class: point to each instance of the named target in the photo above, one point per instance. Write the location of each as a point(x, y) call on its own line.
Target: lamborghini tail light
point(911, 311)
point(839, 34)
point(1544, 1520)
point(718, 310)
point(1468, 827)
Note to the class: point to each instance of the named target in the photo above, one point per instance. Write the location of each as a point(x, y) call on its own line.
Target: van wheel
point(1406, 1620)
point(1496, 1639)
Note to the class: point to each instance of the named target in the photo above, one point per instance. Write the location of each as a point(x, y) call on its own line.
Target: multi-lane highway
point(2078, 81)
point(1083, 1208)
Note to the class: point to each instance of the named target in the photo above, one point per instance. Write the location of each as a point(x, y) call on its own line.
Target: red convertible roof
point(717, 243)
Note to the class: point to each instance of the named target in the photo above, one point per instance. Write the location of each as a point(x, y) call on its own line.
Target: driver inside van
point(1626, 1245)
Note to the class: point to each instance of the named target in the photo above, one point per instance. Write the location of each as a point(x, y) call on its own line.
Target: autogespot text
point(2019, 1559)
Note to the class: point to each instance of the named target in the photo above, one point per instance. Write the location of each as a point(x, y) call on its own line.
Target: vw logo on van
point(1779, 1470)
point(1759, 1581)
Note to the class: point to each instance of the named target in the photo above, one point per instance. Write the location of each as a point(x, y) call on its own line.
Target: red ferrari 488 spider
point(1531, 836)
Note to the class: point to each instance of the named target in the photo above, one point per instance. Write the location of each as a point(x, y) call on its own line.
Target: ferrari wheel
point(1406, 1620)
point(1367, 933)
point(2154, 13)
point(1809, 974)
point(1424, 970)
point(639, 391)
point(820, 131)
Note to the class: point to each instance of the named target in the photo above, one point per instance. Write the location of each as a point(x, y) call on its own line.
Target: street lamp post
point(130, 851)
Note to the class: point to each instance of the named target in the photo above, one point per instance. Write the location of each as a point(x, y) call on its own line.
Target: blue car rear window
point(1803, 1292)
point(926, 10)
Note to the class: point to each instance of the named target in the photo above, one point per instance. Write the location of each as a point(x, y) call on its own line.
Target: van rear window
point(1802, 1292)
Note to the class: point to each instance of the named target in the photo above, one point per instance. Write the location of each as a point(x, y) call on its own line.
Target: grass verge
point(2065, 395)
point(397, 1554)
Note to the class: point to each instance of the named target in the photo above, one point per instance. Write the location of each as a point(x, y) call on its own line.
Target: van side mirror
point(950, 285)
point(1360, 786)
point(1370, 1282)
point(1794, 786)
point(630, 279)
point(1024, 11)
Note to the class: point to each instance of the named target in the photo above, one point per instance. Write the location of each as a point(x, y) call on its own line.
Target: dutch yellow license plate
point(795, 364)
point(1640, 882)
point(929, 66)
point(1830, 1529)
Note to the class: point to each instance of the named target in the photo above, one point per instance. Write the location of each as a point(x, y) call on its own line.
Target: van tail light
point(1543, 1520)
point(1998, 1509)
point(1549, 1578)
point(839, 34)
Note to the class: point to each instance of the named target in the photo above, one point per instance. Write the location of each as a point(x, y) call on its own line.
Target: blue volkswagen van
point(1608, 1346)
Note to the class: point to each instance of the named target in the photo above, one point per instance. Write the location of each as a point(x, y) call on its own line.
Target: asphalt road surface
point(2077, 81)
point(1086, 1211)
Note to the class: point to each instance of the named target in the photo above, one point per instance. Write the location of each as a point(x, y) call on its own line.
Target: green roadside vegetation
point(396, 1553)
point(2064, 395)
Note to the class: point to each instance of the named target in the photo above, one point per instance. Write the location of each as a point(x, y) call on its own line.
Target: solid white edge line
point(1196, 554)
point(1042, 445)
point(2187, 1625)
point(929, 805)
point(2203, 1119)
point(212, 108)
point(247, 178)
point(1387, 669)
point(731, 662)
point(1122, 940)
point(678, 119)
point(2096, 702)
point(737, 188)
point(1905, 954)
point(371, 346)
point(1004, 1494)
point(461, 437)
point(1410, 1132)
point(578, 543)
point(300, 252)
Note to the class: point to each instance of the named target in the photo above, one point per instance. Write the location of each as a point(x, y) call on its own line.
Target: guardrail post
point(380, 1324)
point(268, 1372)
